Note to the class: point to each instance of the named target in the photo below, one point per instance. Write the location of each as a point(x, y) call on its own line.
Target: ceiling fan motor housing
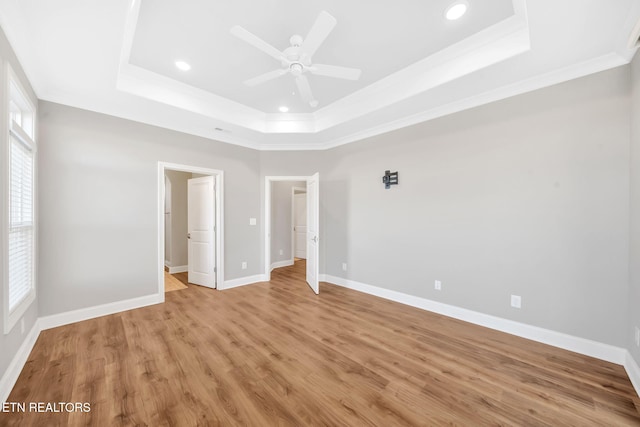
point(296, 68)
point(296, 59)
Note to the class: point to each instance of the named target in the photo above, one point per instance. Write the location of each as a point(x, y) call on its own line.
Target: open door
point(313, 231)
point(201, 231)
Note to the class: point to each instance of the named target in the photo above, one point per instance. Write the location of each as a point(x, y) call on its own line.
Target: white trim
point(60, 319)
point(10, 376)
point(580, 345)
point(575, 71)
point(8, 380)
point(279, 264)
point(178, 269)
point(16, 365)
point(497, 42)
point(219, 183)
point(633, 370)
point(242, 281)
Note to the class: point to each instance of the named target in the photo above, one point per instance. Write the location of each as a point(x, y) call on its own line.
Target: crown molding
point(494, 44)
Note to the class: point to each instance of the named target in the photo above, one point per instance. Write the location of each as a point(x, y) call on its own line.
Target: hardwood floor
point(276, 354)
point(172, 283)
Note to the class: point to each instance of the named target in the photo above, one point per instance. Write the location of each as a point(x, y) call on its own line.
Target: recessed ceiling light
point(284, 109)
point(183, 66)
point(456, 10)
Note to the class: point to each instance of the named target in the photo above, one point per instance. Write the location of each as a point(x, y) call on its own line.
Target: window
point(20, 286)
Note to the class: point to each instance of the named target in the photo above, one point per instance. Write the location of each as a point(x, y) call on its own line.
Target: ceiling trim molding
point(147, 84)
point(501, 41)
point(592, 66)
point(494, 44)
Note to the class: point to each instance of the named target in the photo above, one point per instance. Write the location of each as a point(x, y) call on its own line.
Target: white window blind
point(21, 235)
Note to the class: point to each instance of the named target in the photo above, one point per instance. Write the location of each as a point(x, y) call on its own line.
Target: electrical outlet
point(438, 285)
point(344, 266)
point(244, 265)
point(516, 301)
point(281, 251)
point(637, 337)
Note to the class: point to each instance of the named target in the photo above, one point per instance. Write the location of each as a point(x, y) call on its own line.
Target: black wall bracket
point(389, 179)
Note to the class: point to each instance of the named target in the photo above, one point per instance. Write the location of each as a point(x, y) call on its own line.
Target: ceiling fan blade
point(335, 71)
point(321, 28)
point(256, 42)
point(305, 91)
point(265, 77)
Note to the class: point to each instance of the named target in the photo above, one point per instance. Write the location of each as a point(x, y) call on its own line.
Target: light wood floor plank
point(276, 354)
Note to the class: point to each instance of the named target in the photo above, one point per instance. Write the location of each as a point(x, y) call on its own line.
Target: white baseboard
point(557, 339)
point(12, 373)
point(242, 281)
point(55, 320)
point(285, 263)
point(580, 345)
point(633, 370)
point(178, 269)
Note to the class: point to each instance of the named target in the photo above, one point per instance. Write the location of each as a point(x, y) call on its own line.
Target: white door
point(313, 231)
point(201, 231)
point(300, 225)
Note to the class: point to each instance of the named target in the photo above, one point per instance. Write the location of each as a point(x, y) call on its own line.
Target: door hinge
point(215, 270)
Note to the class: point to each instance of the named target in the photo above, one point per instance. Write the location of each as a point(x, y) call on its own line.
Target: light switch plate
point(516, 301)
point(252, 221)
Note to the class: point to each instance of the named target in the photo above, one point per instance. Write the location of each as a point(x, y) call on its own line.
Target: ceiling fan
point(296, 59)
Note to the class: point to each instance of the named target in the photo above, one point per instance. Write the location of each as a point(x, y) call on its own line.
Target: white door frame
point(219, 181)
point(293, 211)
point(267, 217)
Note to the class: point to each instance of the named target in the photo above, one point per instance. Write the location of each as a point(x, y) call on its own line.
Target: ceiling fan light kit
point(296, 59)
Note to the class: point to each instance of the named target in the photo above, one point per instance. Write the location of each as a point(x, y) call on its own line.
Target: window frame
point(27, 136)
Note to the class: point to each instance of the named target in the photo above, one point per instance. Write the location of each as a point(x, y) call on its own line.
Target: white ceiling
point(117, 57)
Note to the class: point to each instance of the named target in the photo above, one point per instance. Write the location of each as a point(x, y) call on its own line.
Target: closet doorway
point(190, 227)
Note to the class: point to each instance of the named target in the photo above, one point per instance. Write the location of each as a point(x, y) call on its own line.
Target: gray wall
point(10, 343)
point(527, 196)
point(281, 225)
point(178, 217)
point(634, 252)
point(98, 204)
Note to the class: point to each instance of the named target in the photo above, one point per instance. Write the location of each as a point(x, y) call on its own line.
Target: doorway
point(311, 238)
point(203, 221)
